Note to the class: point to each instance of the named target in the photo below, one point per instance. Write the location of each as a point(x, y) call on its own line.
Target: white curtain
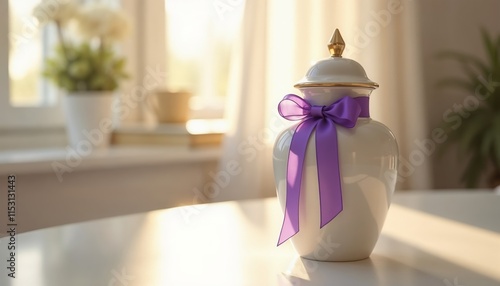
point(281, 39)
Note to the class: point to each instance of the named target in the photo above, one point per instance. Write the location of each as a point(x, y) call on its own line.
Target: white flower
point(97, 20)
point(60, 11)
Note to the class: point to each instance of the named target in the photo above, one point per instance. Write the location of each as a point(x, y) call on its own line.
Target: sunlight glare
point(184, 29)
point(459, 243)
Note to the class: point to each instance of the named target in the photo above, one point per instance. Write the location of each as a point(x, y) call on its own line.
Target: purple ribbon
point(343, 112)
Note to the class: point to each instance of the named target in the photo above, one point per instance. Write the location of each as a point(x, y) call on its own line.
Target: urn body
point(368, 156)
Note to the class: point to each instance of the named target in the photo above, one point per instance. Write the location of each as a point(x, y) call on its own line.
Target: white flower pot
point(88, 119)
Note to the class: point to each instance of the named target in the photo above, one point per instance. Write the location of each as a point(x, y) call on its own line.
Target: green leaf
point(496, 142)
point(486, 145)
point(465, 59)
point(456, 82)
point(85, 68)
point(472, 76)
point(473, 171)
point(491, 47)
point(472, 128)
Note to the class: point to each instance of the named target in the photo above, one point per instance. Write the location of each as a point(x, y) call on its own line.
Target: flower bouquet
point(87, 61)
point(85, 65)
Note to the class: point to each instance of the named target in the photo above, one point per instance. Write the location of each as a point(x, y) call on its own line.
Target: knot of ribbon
point(344, 112)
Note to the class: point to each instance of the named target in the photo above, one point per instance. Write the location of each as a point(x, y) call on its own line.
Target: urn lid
point(336, 70)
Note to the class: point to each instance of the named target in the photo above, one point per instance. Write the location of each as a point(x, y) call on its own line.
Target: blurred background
point(230, 62)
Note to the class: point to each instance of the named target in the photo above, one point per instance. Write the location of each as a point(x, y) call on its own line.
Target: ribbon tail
point(329, 179)
point(295, 167)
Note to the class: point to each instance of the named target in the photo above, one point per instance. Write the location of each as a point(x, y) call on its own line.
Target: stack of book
point(195, 133)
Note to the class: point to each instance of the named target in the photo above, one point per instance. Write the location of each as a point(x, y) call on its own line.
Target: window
point(26, 100)
point(200, 36)
point(26, 48)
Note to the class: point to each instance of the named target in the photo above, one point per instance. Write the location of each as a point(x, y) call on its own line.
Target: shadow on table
point(421, 269)
point(451, 206)
point(376, 270)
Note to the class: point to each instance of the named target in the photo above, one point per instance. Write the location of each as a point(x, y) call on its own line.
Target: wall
point(98, 191)
point(450, 25)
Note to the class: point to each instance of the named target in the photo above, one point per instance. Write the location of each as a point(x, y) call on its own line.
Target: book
point(194, 133)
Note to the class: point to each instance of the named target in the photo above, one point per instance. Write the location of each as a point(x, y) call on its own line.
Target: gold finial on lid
point(336, 44)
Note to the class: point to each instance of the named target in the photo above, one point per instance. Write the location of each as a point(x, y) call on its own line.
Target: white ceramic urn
point(367, 155)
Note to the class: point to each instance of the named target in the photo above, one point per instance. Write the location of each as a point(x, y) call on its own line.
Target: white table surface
point(444, 238)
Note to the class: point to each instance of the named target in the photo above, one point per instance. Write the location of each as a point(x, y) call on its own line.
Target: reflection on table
point(450, 238)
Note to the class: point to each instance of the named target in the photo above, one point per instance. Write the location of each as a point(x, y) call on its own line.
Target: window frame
point(19, 117)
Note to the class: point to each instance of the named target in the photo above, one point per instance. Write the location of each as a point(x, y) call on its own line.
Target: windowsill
point(41, 160)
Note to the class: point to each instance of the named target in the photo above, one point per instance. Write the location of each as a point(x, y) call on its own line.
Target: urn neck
point(328, 95)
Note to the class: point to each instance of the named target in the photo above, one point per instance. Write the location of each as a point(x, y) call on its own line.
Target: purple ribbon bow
point(344, 112)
